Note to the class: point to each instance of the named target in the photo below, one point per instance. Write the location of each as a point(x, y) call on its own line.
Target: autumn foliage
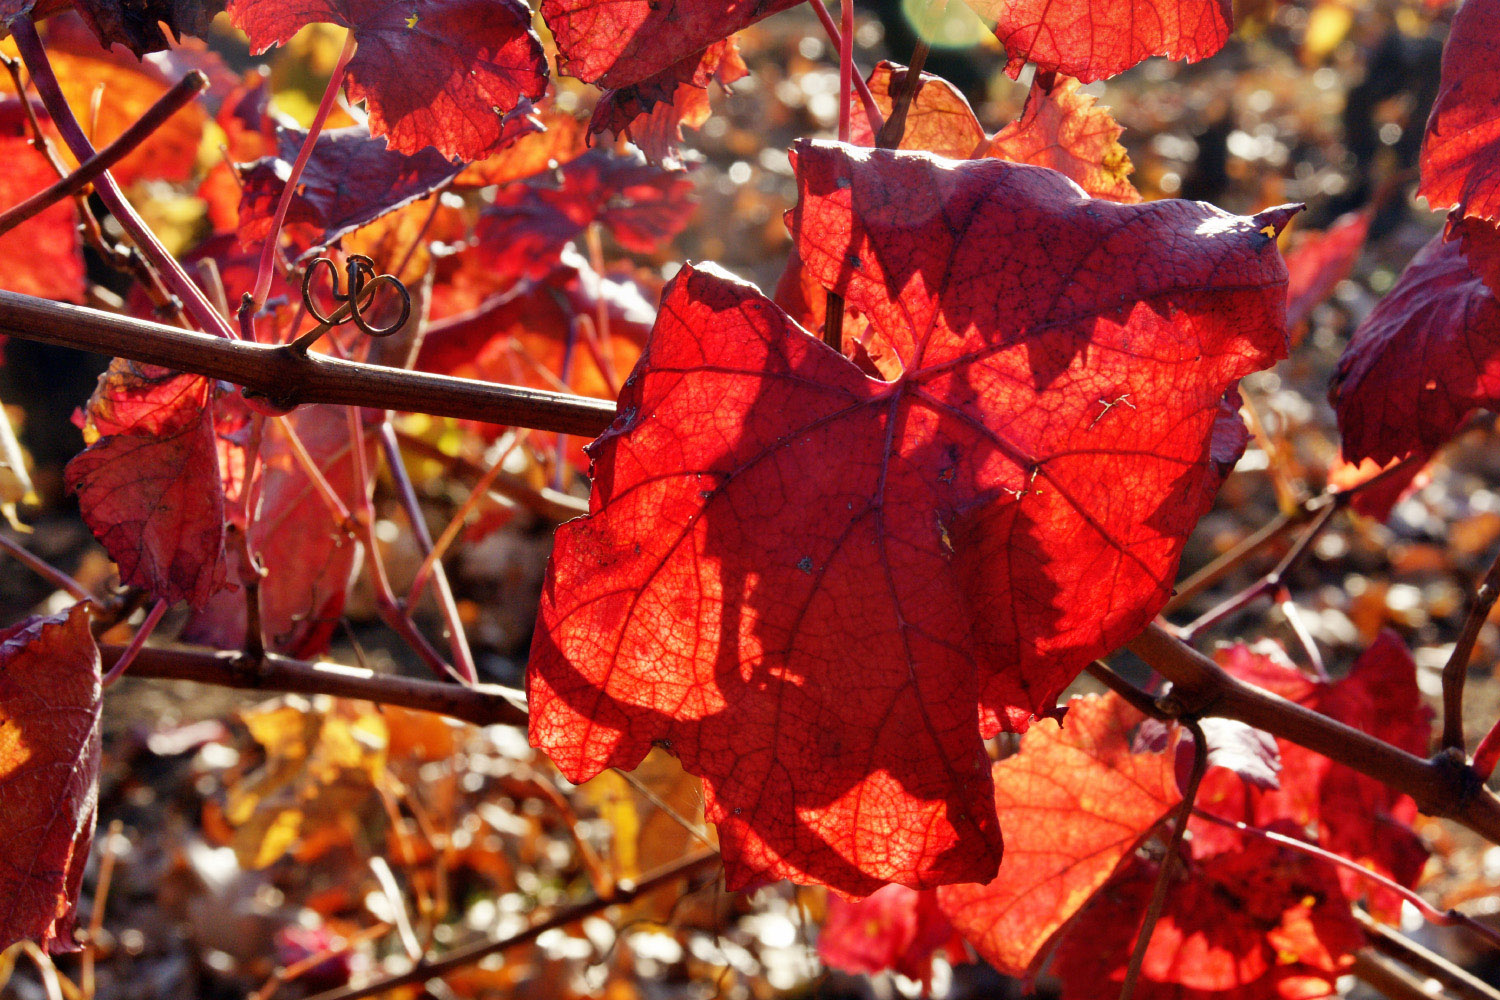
point(846, 547)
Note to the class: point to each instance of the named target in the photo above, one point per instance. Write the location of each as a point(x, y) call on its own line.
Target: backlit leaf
point(1462, 142)
point(819, 590)
point(49, 774)
point(41, 256)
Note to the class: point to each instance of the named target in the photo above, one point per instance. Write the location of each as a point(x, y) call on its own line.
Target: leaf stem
point(137, 643)
point(890, 136)
point(872, 110)
point(266, 269)
point(289, 378)
point(44, 569)
point(545, 502)
point(181, 94)
point(1423, 960)
point(458, 958)
point(1456, 670)
point(846, 65)
point(1168, 862)
point(172, 275)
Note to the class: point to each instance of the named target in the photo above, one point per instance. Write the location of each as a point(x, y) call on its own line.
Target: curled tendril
point(362, 279)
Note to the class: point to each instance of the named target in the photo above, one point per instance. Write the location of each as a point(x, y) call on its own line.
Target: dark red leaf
point(137, 24)
point(615, 43)
point(1425, 357)
point(310, 559)
point(821, 591)
point(653, 112)
point(1265, 923)
point(149, 487)
point(49, 774)
point(1461, 148)
point(896, 928)
point(349, 181)
point(41, 256)
point(443, 73)
point(1073, 802)
point(640, 205)
point(1093, 40)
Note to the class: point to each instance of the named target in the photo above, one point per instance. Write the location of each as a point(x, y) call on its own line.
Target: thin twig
point(545, 502)
point(1138, 699)
point(181, 94)
point(1168, 862)
point(1456, 670)
point(137, 643)
point(1386, 977)
point(45, 570)
point(461, 957)
point(894, 130)
point(109, 854)
point(830, 26)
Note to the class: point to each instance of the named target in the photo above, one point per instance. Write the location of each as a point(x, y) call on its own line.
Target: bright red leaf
point(653, 112)
point(1073, 802)
point(443, 73)
point(41, 256)
point(615, 43)
point(1461, 148)
point(819, 590)
point(1093, 40)
point(1265, 923)
point(1425, 357)
point(640, 205)
point(896, 928)
point(349, 181)
point(149, 487)
point(49, 774)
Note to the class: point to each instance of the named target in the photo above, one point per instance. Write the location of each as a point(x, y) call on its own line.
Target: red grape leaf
point(640, 205)
point(41, 256)
point(896, 928)
point(1264, 923)
point(1320, 261)
point(1347, 812)
point(819, 590)
point(309, 559)
point(1073, 802)
point(137, 24)
point(49, 774)
point(653, 112)
point(443, 73)
point(1427, 355)
point(615, 43)
point(1092, 40)
point(1060, 127)
point(350, 180)
point(1378, 499)
point(1462, 143)
point(149, 486)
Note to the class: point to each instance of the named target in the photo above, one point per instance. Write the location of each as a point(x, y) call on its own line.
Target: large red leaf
point(1461, 148)
point(149, 487)
point(49, 774)
point(821, 590)
point(615, 43)
point(1092, 40)
point(1427, 355)
point(350, 180)
point(41, 256)
point(442, 73)
point(1073, 803)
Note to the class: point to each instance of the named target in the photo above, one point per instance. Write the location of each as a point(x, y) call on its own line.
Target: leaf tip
point(1273, 220)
